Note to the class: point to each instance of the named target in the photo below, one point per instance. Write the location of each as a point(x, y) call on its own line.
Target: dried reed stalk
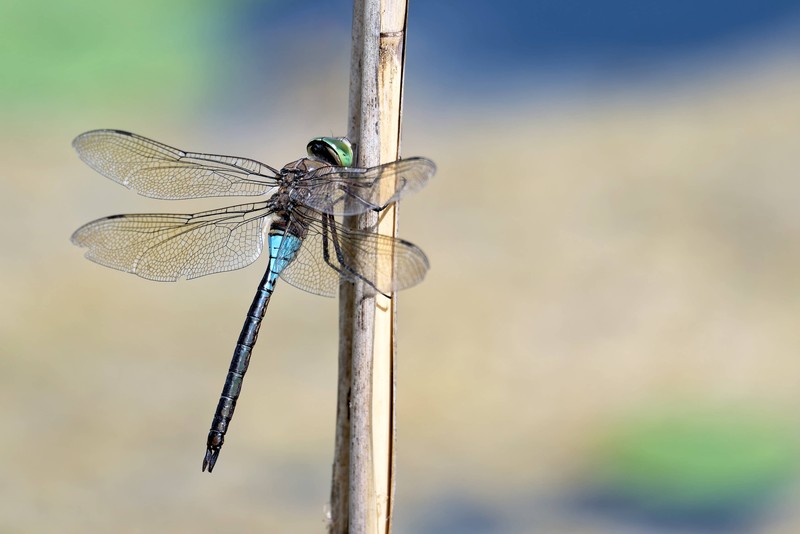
point(362, 491)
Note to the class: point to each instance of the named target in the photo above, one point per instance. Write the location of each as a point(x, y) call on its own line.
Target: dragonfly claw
point(210, 458)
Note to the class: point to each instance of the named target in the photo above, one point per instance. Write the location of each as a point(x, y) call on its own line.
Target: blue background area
point(459, 37)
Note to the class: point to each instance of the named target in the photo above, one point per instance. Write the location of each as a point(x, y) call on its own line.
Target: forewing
point(157, 170)
point(349, 191)
point(166, 247)
point(330, 252)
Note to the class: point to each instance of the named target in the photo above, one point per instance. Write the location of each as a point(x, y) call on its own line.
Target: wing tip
point(77, 236)
point(429, 163)
point(80, 140)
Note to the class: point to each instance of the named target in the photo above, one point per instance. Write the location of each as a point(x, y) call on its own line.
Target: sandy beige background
point(594, 255)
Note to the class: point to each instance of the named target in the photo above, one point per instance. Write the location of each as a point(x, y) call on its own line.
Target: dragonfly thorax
point(291, 191)
point(297, 169)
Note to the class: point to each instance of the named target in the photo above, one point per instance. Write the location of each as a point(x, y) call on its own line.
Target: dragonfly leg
point(350, 195)
point(329, 228)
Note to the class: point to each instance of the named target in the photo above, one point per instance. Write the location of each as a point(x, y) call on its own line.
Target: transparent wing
point(330, 252)
point(166, 247)
point(156, 170)
point(349, 191)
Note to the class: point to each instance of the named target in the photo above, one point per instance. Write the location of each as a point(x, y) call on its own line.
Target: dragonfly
point(299, 221)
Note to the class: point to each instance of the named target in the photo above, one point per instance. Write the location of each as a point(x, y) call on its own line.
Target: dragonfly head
point(331, 150)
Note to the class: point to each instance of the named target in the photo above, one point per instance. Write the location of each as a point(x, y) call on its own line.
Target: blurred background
point(607, 341)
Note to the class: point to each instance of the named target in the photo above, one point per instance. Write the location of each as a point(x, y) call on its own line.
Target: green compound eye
point(331, 150)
